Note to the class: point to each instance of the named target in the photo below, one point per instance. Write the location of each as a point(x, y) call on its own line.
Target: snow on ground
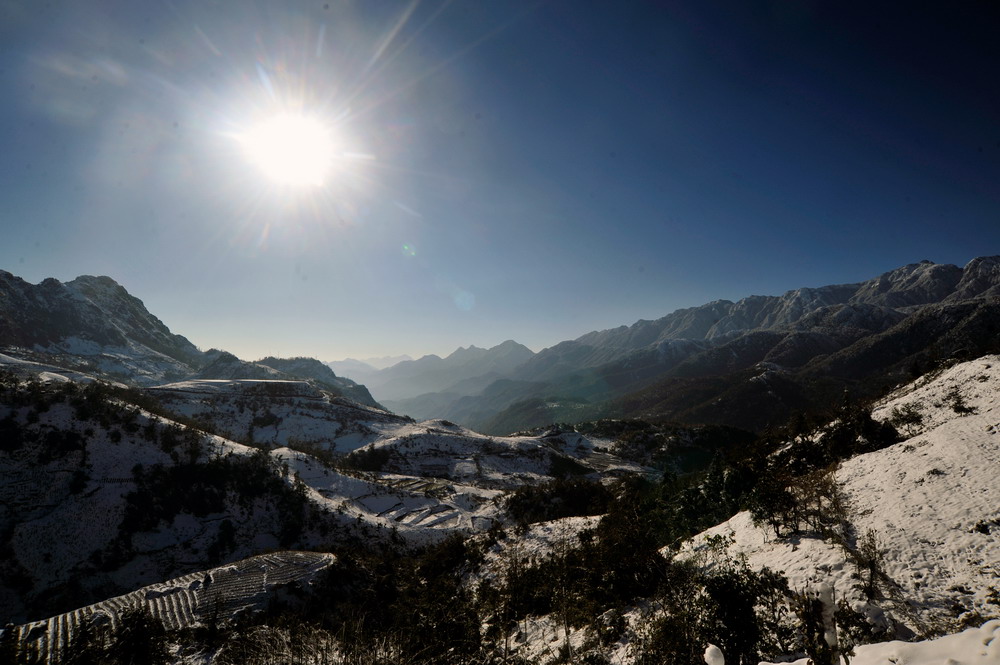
point(439, 449)
point(410, 505)
point(426, 449)
point(537, 639)
point(932, 502)
point(276, 413)
point(969, 647)
point(44, 372)
point(535, 544)
point(51, 526)
point(545, 639)
point(976, 383)
point(273, 387)
point(138, 362)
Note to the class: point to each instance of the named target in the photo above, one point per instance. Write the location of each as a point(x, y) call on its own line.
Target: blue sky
point(505, 170)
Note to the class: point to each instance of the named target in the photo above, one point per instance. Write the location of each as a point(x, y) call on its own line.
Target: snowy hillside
point(930, 505)
point(415, 507)
point(974, 646)
point(546, 547)
point(93, 324)
point(438, 448)
point(275, 412)
point(90, 502)
point(101, 494)
point(925, 511)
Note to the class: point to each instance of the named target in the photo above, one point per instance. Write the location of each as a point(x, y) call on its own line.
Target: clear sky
point(492, 169)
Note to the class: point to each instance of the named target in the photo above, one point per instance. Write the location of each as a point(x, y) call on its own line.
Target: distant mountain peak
point(101, 280)
point(381, 362)
point(980, 278)
point(432, 373)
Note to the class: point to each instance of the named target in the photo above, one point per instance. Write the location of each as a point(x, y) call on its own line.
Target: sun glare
point(291, 149)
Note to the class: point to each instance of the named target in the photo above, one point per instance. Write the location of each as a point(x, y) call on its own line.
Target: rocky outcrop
point(88, 311)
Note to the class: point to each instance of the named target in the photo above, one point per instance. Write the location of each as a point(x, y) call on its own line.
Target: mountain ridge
point(432, 373)
point(95, 325)
point(909, 285)
point(720, 337)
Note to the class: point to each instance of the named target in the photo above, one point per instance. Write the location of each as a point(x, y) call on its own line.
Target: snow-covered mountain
point(223, 365)
point(683, 365)
point(94, 325)
point(104, 498)
point(905, 287)
point(902, 290)
point(912, 552)
point(431, 542)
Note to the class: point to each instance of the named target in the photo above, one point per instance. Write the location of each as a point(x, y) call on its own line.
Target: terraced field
point(188, 600)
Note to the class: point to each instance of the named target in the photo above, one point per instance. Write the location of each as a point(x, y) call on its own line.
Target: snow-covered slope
point(98, 494)
point(416, 507)
point(276, 412)
point(974, 646)
point(87, 509)
point(93, 322)
point(930, 504)
point(438, 448)
point(908, 286)
point(293, 413)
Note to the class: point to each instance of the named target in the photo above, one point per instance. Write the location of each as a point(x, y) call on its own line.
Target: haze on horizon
point(339, 179)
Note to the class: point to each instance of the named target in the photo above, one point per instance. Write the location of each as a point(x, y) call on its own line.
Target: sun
point(291, 149)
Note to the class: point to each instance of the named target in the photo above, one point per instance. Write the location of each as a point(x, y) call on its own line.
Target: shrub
point(365, 459)
point(773, 503)
point(744, 612)
point(908, 416)
point(563, 466)
point(956, 401)
point(559, 498)
point(870, 560)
